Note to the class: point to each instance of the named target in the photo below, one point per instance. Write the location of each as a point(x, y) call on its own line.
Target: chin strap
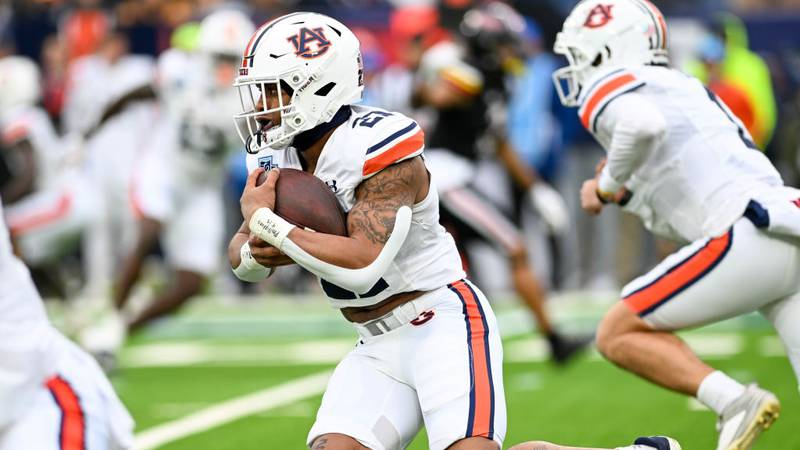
point(273, 229)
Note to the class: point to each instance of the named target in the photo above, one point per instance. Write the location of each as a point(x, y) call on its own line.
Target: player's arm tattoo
point(378, 199)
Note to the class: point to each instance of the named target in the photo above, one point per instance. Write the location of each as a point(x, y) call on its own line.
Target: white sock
point(718, 391)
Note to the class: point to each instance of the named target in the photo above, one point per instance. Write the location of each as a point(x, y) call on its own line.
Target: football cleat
point(564, 348)
point(104, 338)
point(654, 443)
point(745, 418)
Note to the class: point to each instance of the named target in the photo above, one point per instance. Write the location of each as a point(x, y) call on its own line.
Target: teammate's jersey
point(698, 179)
point(32, 124)
point(370, 140)
point(19, 301)
point(198, 117)
point(27, 353)
point(93, 84)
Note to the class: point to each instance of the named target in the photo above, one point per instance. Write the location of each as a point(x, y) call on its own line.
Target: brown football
point(307, 202)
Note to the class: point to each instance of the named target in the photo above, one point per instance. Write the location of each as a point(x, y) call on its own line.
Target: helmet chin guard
point(296, 73)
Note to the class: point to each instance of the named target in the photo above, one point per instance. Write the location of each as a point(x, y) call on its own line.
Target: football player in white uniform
point(109, 101)
point(177, 188)
point(41, 209)
point(429, 350)
point(686, 166)
point(53, 396)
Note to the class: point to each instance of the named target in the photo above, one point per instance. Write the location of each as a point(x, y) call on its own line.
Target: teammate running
point(687, 167)
point(177, 188)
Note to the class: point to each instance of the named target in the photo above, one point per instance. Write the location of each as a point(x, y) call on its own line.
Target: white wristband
point(270, 227)
point(607, 183)
point(249, 269)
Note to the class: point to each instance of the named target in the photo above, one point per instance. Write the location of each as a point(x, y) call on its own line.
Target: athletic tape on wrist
point(249, 269)
point(270, 227)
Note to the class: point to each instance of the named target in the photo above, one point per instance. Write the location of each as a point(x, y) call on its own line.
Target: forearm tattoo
point(378, 199)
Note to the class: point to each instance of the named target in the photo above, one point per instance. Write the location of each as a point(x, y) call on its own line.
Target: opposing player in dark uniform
point(465, 84)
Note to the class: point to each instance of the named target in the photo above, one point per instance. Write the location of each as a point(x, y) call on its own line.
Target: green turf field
point(250, 376)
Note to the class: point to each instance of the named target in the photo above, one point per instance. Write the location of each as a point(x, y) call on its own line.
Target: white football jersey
point(199, 133)
point(27, 352)
point(698, 179)
point(19, 300)
point(93, 84)
point(369, 141)
point(33, 124)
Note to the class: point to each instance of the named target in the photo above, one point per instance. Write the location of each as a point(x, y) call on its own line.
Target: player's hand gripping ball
point(297, 196)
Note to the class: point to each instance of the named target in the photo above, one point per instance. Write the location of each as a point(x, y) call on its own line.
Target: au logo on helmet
point(598, 16)
point(307, 36)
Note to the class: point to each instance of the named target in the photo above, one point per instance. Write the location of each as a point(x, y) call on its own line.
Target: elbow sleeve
point(356, 280)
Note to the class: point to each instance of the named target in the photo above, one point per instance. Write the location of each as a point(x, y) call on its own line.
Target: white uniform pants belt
point(390, 321)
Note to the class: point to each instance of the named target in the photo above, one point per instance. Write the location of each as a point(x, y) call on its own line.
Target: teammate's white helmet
point(316, 58)
point(225, 33)
point(20, 82)
point(603, 33)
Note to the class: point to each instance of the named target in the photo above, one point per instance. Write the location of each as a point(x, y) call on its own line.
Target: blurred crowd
point(99, 62)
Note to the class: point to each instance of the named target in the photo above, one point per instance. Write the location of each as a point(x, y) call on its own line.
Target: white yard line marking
point(709, 346)
point(214, 416)
point(328, 351)
point(771, 346)
point(694, 405)
point(331, 351)
point(715, 345)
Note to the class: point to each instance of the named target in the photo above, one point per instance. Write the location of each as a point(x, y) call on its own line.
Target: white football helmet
point(224, 33)
point(20, 82)
point(314, 59)
point(603, 33)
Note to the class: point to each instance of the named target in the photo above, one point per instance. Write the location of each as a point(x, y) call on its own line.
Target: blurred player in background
point(77, 183)
point(465, 85)
point(48, 206)
point(109, 101)
point(732, 71)
point(30, 142)
point(176, 190)
point(430, 350)
point(53, 395)
point(679, 160)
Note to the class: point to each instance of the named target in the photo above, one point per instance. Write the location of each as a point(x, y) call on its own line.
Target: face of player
point(224, 70)
point(271, 99)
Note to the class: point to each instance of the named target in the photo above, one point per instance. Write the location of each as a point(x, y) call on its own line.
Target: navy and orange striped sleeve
point(400, 141)
point(602, 92)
